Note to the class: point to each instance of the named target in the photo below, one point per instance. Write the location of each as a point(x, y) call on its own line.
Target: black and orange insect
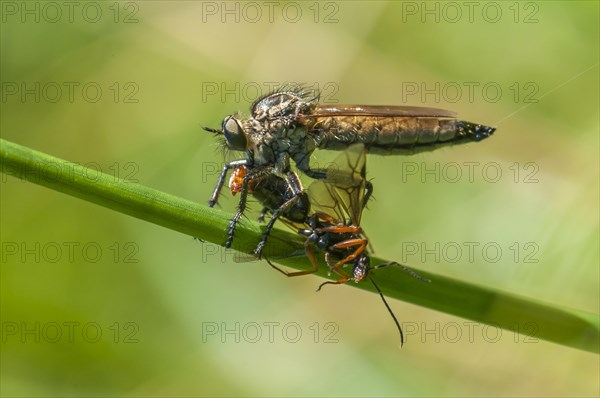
point(331, 222)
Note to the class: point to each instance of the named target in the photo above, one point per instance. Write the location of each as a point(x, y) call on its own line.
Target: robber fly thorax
point(272, 134)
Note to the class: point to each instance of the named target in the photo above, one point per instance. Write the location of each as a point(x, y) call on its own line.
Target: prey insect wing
point(343, 191)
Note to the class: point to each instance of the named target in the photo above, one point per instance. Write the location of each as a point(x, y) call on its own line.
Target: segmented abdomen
point(382, 134)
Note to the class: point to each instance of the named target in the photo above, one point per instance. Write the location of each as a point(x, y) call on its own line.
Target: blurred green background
point(95, 303)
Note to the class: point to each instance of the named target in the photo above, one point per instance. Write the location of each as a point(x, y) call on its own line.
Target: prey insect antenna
point(405, 269)
point(323, 284)
point(389, 310)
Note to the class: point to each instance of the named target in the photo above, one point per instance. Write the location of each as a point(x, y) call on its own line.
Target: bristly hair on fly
point(221, 141)
point(304, 91)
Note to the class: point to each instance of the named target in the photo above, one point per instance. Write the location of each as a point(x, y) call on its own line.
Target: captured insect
point(333, 226)
point(289, 124)
point(282, 197)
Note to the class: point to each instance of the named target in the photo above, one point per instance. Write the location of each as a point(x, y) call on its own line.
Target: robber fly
point(333, 226)
point(290, 124)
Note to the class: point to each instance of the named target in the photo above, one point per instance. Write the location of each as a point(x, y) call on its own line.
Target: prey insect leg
point(333, 267)
point(345, 276)
point(361, 243)
point(310, 253)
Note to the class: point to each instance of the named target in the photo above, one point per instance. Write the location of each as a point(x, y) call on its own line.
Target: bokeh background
point(166, 306)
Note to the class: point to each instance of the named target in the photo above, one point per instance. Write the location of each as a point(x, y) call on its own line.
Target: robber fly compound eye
point(234, 134)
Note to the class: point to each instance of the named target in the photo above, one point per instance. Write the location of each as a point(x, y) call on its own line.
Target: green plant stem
point(565, 326)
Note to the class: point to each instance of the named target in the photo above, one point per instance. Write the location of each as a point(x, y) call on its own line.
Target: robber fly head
point(231, 128)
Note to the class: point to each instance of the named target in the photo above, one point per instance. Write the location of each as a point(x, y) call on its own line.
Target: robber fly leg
point(221, 181)
point(263, 213)
point(296, 186)
point(271, 223)
point(253, 174)
point(239, 212)
point(304, 166)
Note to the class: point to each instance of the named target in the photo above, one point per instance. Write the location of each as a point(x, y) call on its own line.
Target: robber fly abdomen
point(393, 135)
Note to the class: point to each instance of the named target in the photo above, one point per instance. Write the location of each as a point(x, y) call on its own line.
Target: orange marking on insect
point(342, 229)
point(237, 179)
point(325, 217)
point(361, 243)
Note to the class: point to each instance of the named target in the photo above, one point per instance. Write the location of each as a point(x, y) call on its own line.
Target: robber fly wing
point(378, 110)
